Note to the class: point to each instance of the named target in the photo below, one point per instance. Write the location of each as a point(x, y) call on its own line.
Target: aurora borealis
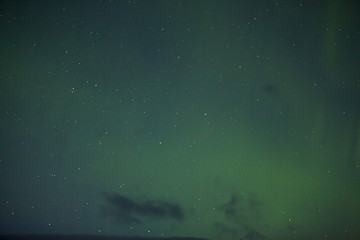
point(209, 119)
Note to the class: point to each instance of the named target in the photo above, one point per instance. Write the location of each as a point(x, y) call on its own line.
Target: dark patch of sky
point(211, 119)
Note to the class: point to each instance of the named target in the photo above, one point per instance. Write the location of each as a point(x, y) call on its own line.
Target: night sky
point(212, 119)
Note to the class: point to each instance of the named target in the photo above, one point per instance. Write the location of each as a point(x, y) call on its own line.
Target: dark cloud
point(242, 233)
point(226, 231)
point(229, 208)
point(242, 209)
point(253, 235)
point(242, 213)
point(129, 211)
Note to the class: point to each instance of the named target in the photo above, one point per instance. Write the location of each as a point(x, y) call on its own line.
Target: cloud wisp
point(129, 211)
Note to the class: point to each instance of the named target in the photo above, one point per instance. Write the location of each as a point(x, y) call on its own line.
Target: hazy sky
point(211, 119)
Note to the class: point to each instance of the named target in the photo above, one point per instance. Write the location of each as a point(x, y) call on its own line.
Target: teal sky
point(211, 119)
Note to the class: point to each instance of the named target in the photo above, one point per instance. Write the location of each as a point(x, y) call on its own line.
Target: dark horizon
point(86, 237)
